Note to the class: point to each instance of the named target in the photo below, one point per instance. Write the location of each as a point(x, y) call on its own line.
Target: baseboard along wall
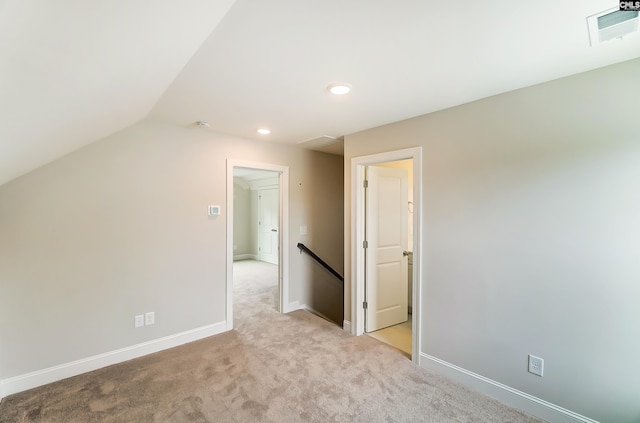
point(510, 396)
point(245, 257)
point(52, 374)
point(503, 393)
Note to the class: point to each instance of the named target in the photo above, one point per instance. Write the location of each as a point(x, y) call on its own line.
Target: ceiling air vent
point(612, 24)
point(320, 141)
point(325, 143)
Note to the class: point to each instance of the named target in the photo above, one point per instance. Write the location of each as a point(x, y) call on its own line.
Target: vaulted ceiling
point(75, 71)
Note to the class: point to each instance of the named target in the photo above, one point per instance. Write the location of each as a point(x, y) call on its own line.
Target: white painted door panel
point(386, 230)
point(268, 199)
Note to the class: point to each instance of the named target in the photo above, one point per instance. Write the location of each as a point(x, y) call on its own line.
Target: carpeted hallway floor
point(271, 368)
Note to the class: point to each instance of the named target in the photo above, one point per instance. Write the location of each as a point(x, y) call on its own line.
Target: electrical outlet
point(536, 365)
point(149, 318)
point(138, 321)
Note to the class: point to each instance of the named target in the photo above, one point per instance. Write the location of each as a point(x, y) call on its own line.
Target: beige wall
point(531, 237)
point(120, 227)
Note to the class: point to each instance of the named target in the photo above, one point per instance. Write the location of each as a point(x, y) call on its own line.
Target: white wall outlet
point(536, 365)
point(149, 318)
point(303, 230)
point(138, 321)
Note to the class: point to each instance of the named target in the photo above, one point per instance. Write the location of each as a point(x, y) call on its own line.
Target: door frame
point(283, 235)
point(358, 165)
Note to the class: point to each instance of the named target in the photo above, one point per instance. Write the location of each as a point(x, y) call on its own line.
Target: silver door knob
point(405, 253)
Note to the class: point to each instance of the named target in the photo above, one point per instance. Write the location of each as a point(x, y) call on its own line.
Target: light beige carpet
point(271, 368)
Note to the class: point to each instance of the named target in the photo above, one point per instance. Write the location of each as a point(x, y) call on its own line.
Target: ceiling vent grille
point(612, 24)
point(325, 143)
point(320, 141)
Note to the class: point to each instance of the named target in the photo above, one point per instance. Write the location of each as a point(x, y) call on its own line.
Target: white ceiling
point(74, 71)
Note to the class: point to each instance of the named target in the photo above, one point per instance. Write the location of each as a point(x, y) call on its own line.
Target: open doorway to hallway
point(256, 240)
point(257, 224)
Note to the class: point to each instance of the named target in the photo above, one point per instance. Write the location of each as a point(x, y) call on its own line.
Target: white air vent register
point(611, 24)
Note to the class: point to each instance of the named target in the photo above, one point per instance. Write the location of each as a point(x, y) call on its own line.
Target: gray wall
point(119, 228)
point(531, 241)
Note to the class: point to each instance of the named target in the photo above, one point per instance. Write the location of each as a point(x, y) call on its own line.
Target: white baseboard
point(346, 326)
point(503, 393)
point(245, 257)
point(292, 306)
point(52, 374)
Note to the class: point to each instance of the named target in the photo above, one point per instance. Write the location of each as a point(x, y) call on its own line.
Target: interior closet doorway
point(389, 235)
point(366, 267)
point(257, 225)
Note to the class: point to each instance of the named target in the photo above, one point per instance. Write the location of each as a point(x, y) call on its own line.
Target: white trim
point(74, 368)
point(346, 326)
point(283, 242)
point(357, 237)
point(245, 257)
point(503, 393)
point(292, 306)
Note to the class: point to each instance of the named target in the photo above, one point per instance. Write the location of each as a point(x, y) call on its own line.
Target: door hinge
point(365, 305)
point(365, 244)
point(365, 183)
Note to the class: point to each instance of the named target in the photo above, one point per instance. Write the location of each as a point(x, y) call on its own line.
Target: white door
point(386, 232)
point(268, 200)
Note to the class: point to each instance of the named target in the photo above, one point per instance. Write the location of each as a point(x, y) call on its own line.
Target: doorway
point(388, 231)
point(246, 181)
point(362, 226)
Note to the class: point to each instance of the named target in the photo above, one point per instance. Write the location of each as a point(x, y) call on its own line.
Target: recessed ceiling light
point(202, 124)
point(264, 131)
point(339, 89)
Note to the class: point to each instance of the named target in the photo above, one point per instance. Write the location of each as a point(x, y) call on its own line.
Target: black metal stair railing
point(323, 263)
